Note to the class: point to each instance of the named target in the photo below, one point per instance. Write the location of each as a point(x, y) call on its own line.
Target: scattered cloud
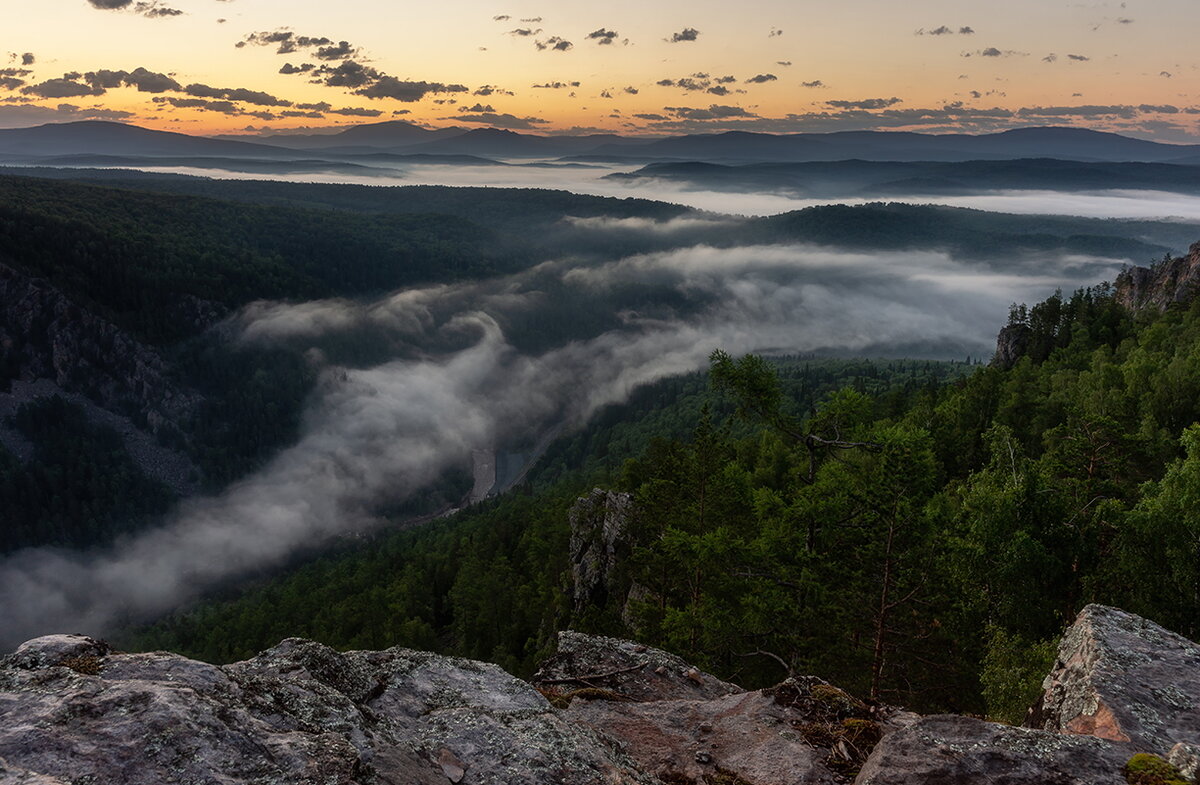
point(684, 35)
point(524, 32)
point(775, 33)
point(256, 97)
point(813, 83)
point(602, 36)
point(554, 85)
point(762, 79)
point(1078, 58)
point(713, 112)
point(867, 103)
point(505, 120)
point(554, 43)
point(941, 30)
point(784, 63)
point(488, 89)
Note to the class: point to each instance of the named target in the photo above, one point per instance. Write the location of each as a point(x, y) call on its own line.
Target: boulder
point(1123, 678)
point(628, 669)
point(802, 731)
point(298, 713)
point(953, 750)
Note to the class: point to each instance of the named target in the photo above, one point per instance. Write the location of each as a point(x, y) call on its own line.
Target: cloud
point(630, 90)
point(602, 36)
point(28, 58)
point(19, 116)
point(784, 63)
point(501, 18)
point(554, 43)
point(256, 97)
point(713, 112)
point(288, 68)
point(762, 79)
point(1078, 58)
point(684, 35)
point(351, 111)
point(813, 83)
point(479, 108)
point(867, 103)
point(524, 32)
point(144, 80)
point(991, 51)
point(406, 91)
point(154, 9)
point(150, 9)
point(339, 51)
point(497, 120)
point(554, 85)
point(775, 33)
point(1165, 74)
point(61, 88)
point(941, 30)
point(488, 89)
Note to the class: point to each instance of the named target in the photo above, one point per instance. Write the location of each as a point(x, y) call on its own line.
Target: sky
point(626, 66)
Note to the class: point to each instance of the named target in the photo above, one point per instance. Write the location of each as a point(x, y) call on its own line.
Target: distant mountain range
point(734, 147)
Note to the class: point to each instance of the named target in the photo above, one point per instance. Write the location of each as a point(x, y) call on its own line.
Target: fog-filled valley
point(238, 377)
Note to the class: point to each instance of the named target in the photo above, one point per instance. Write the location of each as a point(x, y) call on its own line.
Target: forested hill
point(920, 540)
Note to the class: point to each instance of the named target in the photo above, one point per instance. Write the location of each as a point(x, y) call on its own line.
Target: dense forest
point(919, 540)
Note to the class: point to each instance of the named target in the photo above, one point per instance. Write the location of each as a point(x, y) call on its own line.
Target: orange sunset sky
point(626, 66)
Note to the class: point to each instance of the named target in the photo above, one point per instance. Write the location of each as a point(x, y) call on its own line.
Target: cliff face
point(1170, 281)
point(600, 711)
point(43, 335)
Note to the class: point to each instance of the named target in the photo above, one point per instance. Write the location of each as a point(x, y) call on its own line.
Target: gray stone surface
point(600, 523)
point(952, 750)
point(298, 713)
point(749, 735)
point(629, 669)
point(1123, 678)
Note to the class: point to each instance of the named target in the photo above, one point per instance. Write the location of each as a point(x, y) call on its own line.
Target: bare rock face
point(1011, 344)
point(43, 335)
point(627, 669)
point(599, 543)
point(298, 713)
point(1123, 678)
point(952, 750)
point(1170, 281)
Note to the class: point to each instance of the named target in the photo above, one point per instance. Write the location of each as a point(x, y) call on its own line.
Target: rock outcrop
point(299, 713)
point(1121, 700)
point(1157, 287)
point(600, 542)
point(1123, 678)
point(952, 750)
point(1011, 344)
point(630, 670)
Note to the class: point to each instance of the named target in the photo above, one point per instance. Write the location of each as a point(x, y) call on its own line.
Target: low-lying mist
point(1157, 205)
point(413, 382)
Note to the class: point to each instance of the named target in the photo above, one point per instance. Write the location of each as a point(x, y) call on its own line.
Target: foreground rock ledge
point(298, 713)
point(601, 711)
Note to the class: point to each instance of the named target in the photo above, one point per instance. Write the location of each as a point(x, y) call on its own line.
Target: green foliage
point(79, 488)
point(906, 531)
point(1013, 669)
point(1146, 769)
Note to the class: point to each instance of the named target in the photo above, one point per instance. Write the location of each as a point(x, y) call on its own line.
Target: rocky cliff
point(44, 335)
point(1170, 281)
point(1121, 699)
